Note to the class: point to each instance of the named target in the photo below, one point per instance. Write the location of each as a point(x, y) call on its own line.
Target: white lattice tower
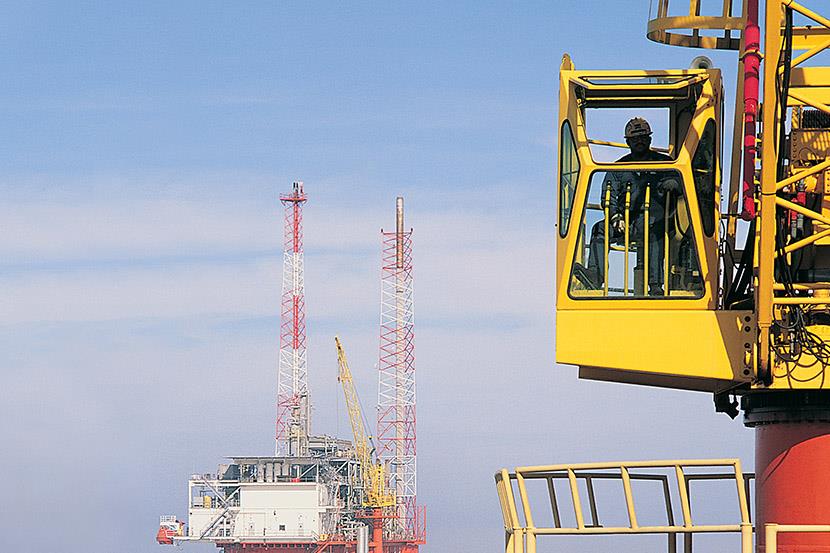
point(396, 436)
point(293, 406)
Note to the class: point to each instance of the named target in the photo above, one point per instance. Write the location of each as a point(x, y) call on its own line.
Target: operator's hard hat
point(637, 127)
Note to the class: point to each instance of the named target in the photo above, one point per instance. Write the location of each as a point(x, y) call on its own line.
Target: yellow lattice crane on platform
point(372, 471)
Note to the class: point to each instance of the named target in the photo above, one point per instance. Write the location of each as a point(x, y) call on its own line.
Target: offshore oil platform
point(661, 283)
point(319, 493)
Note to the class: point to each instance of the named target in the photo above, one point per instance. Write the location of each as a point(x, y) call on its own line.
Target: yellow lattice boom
point(373, 473)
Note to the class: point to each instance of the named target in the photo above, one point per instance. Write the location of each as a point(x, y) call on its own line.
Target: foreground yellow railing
point(771, 532)
point(521, 532)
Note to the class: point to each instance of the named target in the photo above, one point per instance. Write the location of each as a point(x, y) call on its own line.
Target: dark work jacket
point(638, 179)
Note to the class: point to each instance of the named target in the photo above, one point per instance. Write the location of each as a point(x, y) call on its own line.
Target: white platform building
point(276, 499)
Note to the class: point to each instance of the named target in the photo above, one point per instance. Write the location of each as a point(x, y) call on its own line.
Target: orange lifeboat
point(169, 529)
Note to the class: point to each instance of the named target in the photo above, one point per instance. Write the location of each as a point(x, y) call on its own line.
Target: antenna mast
point(293, 422)
point(396, 380)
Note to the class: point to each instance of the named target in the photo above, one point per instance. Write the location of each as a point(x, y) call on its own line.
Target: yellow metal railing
point(771, 532)
point(521, 532)
point(685, 29)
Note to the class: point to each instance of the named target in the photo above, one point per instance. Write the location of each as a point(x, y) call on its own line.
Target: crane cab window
point(604, 129)
point(636, 238)
point(704, 169)
point(568, 176)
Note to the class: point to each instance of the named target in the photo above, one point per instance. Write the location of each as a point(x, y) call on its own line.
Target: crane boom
point(372, 472)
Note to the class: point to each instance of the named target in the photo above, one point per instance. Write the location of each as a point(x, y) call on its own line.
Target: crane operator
point(638, 137)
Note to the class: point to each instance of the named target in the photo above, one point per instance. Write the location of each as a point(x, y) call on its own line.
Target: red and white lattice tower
point(396, 380)
point(292, 380)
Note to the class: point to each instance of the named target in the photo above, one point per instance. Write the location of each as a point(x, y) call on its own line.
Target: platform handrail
point(685, 30)
point(521, 532)
point(771, 531)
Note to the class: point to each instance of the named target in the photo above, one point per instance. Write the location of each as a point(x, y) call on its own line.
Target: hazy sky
point(145, 145)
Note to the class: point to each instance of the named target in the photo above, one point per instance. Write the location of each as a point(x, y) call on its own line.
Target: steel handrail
point(771, 531)
point(520, 535)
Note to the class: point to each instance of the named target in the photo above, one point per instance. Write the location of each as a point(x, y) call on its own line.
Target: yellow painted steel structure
point(520, 517)
point(688, 335)
point(652, 285)
point(373, 473)
point(808, 86)
point(669, 29)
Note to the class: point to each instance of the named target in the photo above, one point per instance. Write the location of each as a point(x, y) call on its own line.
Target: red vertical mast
point(292, 427)
point(396, 437)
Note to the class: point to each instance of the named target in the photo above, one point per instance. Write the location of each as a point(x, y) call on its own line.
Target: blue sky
point(145, 147)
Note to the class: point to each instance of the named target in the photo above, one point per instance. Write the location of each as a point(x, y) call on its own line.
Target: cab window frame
point(566, 212)
point(605, 168)
point(708, 217)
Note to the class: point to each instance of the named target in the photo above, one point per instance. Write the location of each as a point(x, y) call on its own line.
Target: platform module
point(276, 499)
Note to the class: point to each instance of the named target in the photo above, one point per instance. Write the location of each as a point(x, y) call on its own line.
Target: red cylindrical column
point(792, 482)
point(377, 530)
point(792, 465)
